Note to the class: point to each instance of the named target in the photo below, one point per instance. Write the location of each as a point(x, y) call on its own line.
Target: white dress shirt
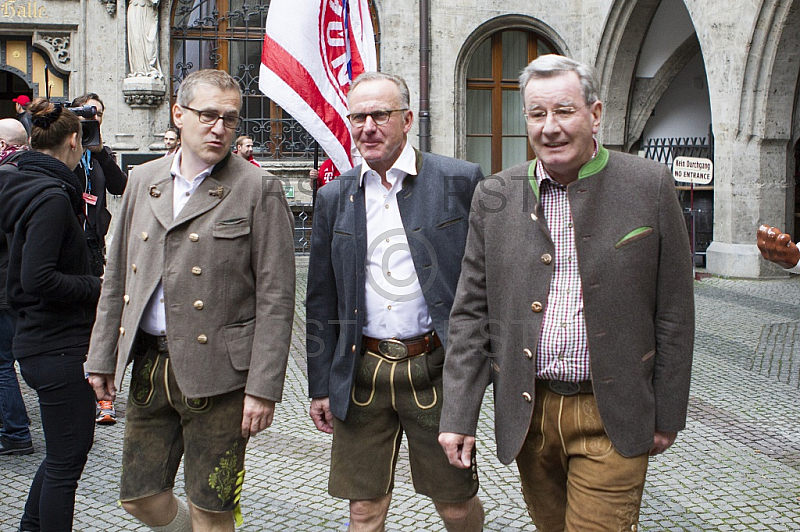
point(395, 305)
point(154, 320)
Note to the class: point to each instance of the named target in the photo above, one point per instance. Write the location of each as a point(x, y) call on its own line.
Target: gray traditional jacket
point(636, 274)
point(227, 264)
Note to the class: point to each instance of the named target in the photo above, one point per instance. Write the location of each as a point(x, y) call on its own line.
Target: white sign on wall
point(693, 170)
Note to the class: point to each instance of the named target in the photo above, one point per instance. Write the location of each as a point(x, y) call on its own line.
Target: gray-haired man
point(576, 302)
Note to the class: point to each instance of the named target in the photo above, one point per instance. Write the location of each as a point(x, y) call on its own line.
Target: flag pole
point(315, 181)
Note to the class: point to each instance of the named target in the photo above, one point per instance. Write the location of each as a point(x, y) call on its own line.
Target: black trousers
point(67, 405)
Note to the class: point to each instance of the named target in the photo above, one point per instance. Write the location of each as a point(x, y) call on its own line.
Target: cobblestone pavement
point(736, 467)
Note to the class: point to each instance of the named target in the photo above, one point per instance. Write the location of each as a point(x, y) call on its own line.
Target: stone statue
point(143, 39)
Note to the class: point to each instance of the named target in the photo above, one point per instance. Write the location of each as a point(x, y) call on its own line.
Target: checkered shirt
point(563, 351)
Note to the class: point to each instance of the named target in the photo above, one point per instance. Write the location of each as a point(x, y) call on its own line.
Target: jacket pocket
point(239, 340)
point(633, 236)
point(449, 222)
point(232, 228)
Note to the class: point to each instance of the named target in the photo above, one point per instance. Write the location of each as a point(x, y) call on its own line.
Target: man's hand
point(458, 448)
point(662, 441)
point(103, 386)
point(257, 415)
point(320, 412)
point(777, 247)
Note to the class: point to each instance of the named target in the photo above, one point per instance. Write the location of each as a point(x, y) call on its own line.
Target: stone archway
point(795, 172)
point(646, 92)
point(757, 158)
point(625, 31)
point(12, 84)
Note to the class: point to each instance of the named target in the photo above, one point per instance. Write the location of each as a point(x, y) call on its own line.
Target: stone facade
point(750, 52)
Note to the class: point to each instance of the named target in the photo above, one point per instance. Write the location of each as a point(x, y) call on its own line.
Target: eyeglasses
point(380, 117)
point(211, 118)
point(536, 117)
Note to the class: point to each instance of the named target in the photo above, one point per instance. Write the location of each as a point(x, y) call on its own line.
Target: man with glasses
point(386, 251)
point(199, 295)
point(576, 302)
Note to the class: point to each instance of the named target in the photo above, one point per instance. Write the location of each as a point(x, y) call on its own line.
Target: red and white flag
point(312, 50)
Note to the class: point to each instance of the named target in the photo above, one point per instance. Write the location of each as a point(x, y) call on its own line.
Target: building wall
point(749, 51)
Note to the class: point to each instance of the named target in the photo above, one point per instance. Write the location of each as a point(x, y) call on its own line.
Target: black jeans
point(67, 404)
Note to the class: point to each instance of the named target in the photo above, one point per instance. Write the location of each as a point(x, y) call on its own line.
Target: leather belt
point(393, 349)
point(149, 341)
point(564, 387)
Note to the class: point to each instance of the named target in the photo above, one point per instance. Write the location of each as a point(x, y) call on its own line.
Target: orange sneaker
point(106, 415)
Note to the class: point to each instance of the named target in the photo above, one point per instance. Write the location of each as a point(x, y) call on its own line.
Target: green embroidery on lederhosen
point(226, 480)
point(226, 475)
point(200, 404)
point(142, 387)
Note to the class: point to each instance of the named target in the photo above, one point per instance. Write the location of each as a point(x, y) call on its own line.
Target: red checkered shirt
point(563, 351)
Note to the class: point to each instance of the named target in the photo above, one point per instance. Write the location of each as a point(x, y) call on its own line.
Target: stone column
point(751, 187)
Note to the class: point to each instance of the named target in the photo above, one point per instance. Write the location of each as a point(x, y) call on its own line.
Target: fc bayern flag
point(312, 50)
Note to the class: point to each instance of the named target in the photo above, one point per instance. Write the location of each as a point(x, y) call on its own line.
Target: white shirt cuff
point(795, 269)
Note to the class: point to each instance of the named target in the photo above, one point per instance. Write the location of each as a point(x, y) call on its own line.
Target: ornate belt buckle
point(393, 349)
point(564, 388)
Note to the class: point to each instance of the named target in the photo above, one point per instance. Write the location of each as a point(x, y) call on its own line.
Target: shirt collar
point(176, 168)
point(406, 163)
point(542, 175)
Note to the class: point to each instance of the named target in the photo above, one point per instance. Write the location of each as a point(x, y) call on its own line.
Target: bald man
point(13, 137)
point(15, 438)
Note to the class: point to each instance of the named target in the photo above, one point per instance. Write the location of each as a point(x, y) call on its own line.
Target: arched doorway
point(11, 86)
point(23, 70)
point(656, 96)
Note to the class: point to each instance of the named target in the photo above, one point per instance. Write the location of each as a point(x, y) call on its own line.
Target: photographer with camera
point(98, 171)
point(54, 295)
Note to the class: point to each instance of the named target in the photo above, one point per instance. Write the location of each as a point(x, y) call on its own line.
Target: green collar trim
point(596, 164)
point(591, 168)
point(532, 178)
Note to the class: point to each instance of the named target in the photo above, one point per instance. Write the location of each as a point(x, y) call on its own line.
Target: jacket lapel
point(360, 226)
point(160, 199)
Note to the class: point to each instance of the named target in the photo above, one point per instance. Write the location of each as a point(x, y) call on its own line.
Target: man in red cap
point(23, 115)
